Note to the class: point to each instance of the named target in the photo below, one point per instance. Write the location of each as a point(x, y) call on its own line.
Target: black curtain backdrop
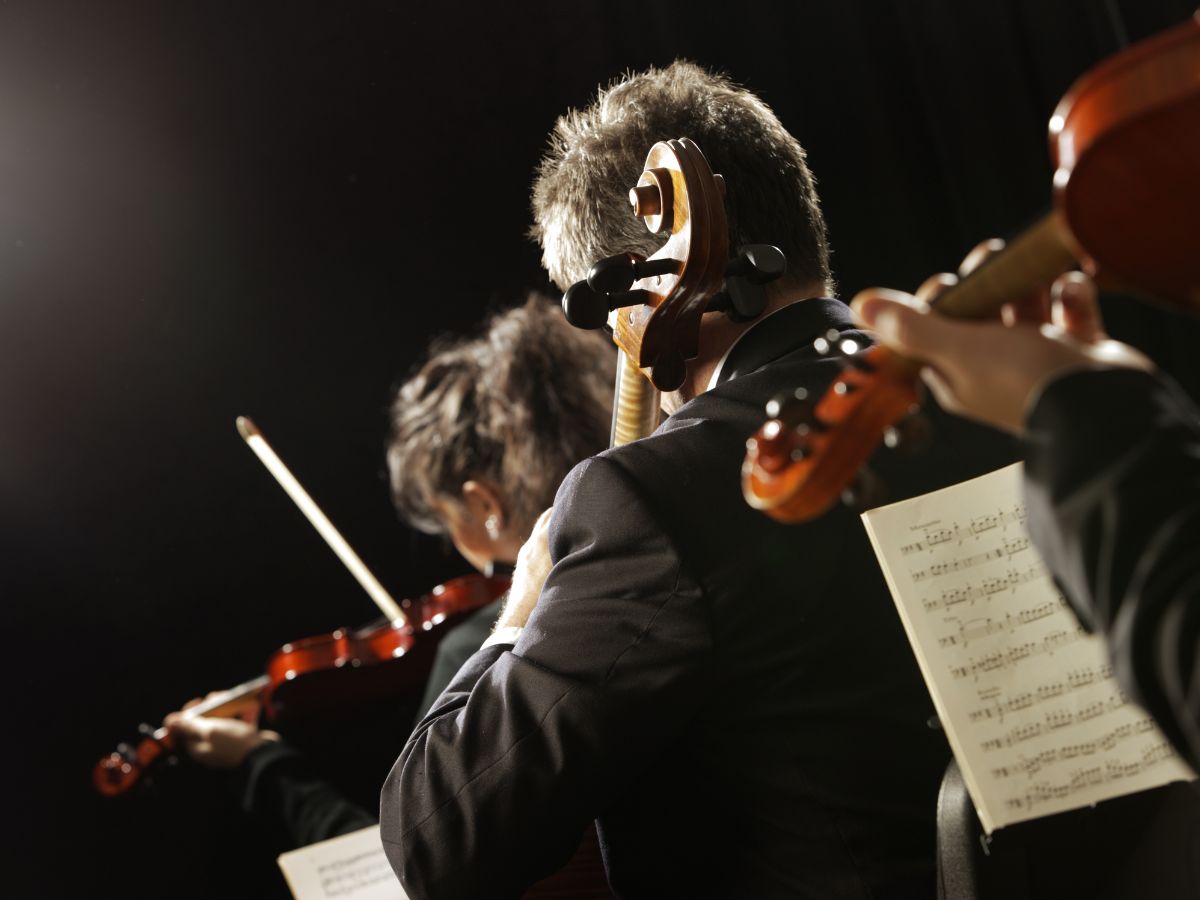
point(213, 209)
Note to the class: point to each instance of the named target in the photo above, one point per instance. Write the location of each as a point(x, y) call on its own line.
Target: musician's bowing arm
point(528, 745)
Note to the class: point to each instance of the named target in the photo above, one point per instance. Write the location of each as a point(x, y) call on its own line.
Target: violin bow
point(255, 441)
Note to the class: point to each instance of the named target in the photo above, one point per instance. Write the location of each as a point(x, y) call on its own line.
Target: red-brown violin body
point(326, 679)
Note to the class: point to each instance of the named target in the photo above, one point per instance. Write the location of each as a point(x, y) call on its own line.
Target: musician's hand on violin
point(994, 371)
point(218, 743)
point(533, 565)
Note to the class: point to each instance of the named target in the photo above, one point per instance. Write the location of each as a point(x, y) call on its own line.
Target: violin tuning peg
point(856, 360)
point(866, 492)
point(848, 348)
point(830, 343)
point(777, 404)
point(795, 410)
point(911, 435)
point(791, 407)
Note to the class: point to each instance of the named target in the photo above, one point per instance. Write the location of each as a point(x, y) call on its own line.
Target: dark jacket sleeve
point(498, 782)
point(455, 649)
point(294, 803)
point(1113, 493)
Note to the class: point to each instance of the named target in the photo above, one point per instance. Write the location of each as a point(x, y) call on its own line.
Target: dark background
point(213, 209)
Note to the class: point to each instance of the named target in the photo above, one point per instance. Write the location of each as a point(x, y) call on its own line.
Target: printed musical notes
point(349, 867)
point(1028, 699)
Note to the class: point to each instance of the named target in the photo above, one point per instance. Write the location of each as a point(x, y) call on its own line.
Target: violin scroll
point(802, 460)
point(118, 772)
point(1124, 141)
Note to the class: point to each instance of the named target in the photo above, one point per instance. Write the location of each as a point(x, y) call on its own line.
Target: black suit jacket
point(732, 699)
point(1113, 492)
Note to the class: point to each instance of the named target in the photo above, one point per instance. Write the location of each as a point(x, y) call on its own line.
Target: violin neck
point(635, 404)
point(226, 703)
point(1031, 261)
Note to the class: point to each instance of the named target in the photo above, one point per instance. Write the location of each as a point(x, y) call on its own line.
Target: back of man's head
point(581, 192)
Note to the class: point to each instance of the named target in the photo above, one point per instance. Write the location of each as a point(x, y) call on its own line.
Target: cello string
point(255, 440)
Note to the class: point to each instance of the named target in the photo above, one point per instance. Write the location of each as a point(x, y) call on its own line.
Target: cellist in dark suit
point(733, 700)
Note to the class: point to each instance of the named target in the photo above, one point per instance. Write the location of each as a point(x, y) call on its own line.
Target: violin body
point(319, 682)
point(1126, 143)
point(335, 676)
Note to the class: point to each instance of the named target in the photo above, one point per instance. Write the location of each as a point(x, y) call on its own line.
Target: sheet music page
point(1028, 699)
point(349, 867)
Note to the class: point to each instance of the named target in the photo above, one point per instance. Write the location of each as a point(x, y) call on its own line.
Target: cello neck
point(635, 403)
point(1033, 259)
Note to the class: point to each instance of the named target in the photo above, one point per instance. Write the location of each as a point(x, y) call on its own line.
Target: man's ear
point(483, 504)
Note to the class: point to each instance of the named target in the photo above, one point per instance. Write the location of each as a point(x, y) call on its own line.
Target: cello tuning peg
point(744, 297)
point(866, 491)
point(757, 264)
point(588, 309)
point(615, 275)
point(668, 371)
point(585, 307)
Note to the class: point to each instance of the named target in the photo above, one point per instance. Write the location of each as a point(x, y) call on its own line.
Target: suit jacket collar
point(783, 331)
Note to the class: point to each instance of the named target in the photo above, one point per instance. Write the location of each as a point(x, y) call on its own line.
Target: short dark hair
point(580, 194)
point(516, 406)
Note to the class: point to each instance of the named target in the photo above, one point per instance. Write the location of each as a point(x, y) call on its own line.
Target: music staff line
point(1009, 581)
point(1112, 770)
point(980, 628)
point(1031, 765)
point(957, 533)
point(345, 877)
point(1075, 680)
point(1054, 720)
point(1008, 548)
point(1013, 656)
